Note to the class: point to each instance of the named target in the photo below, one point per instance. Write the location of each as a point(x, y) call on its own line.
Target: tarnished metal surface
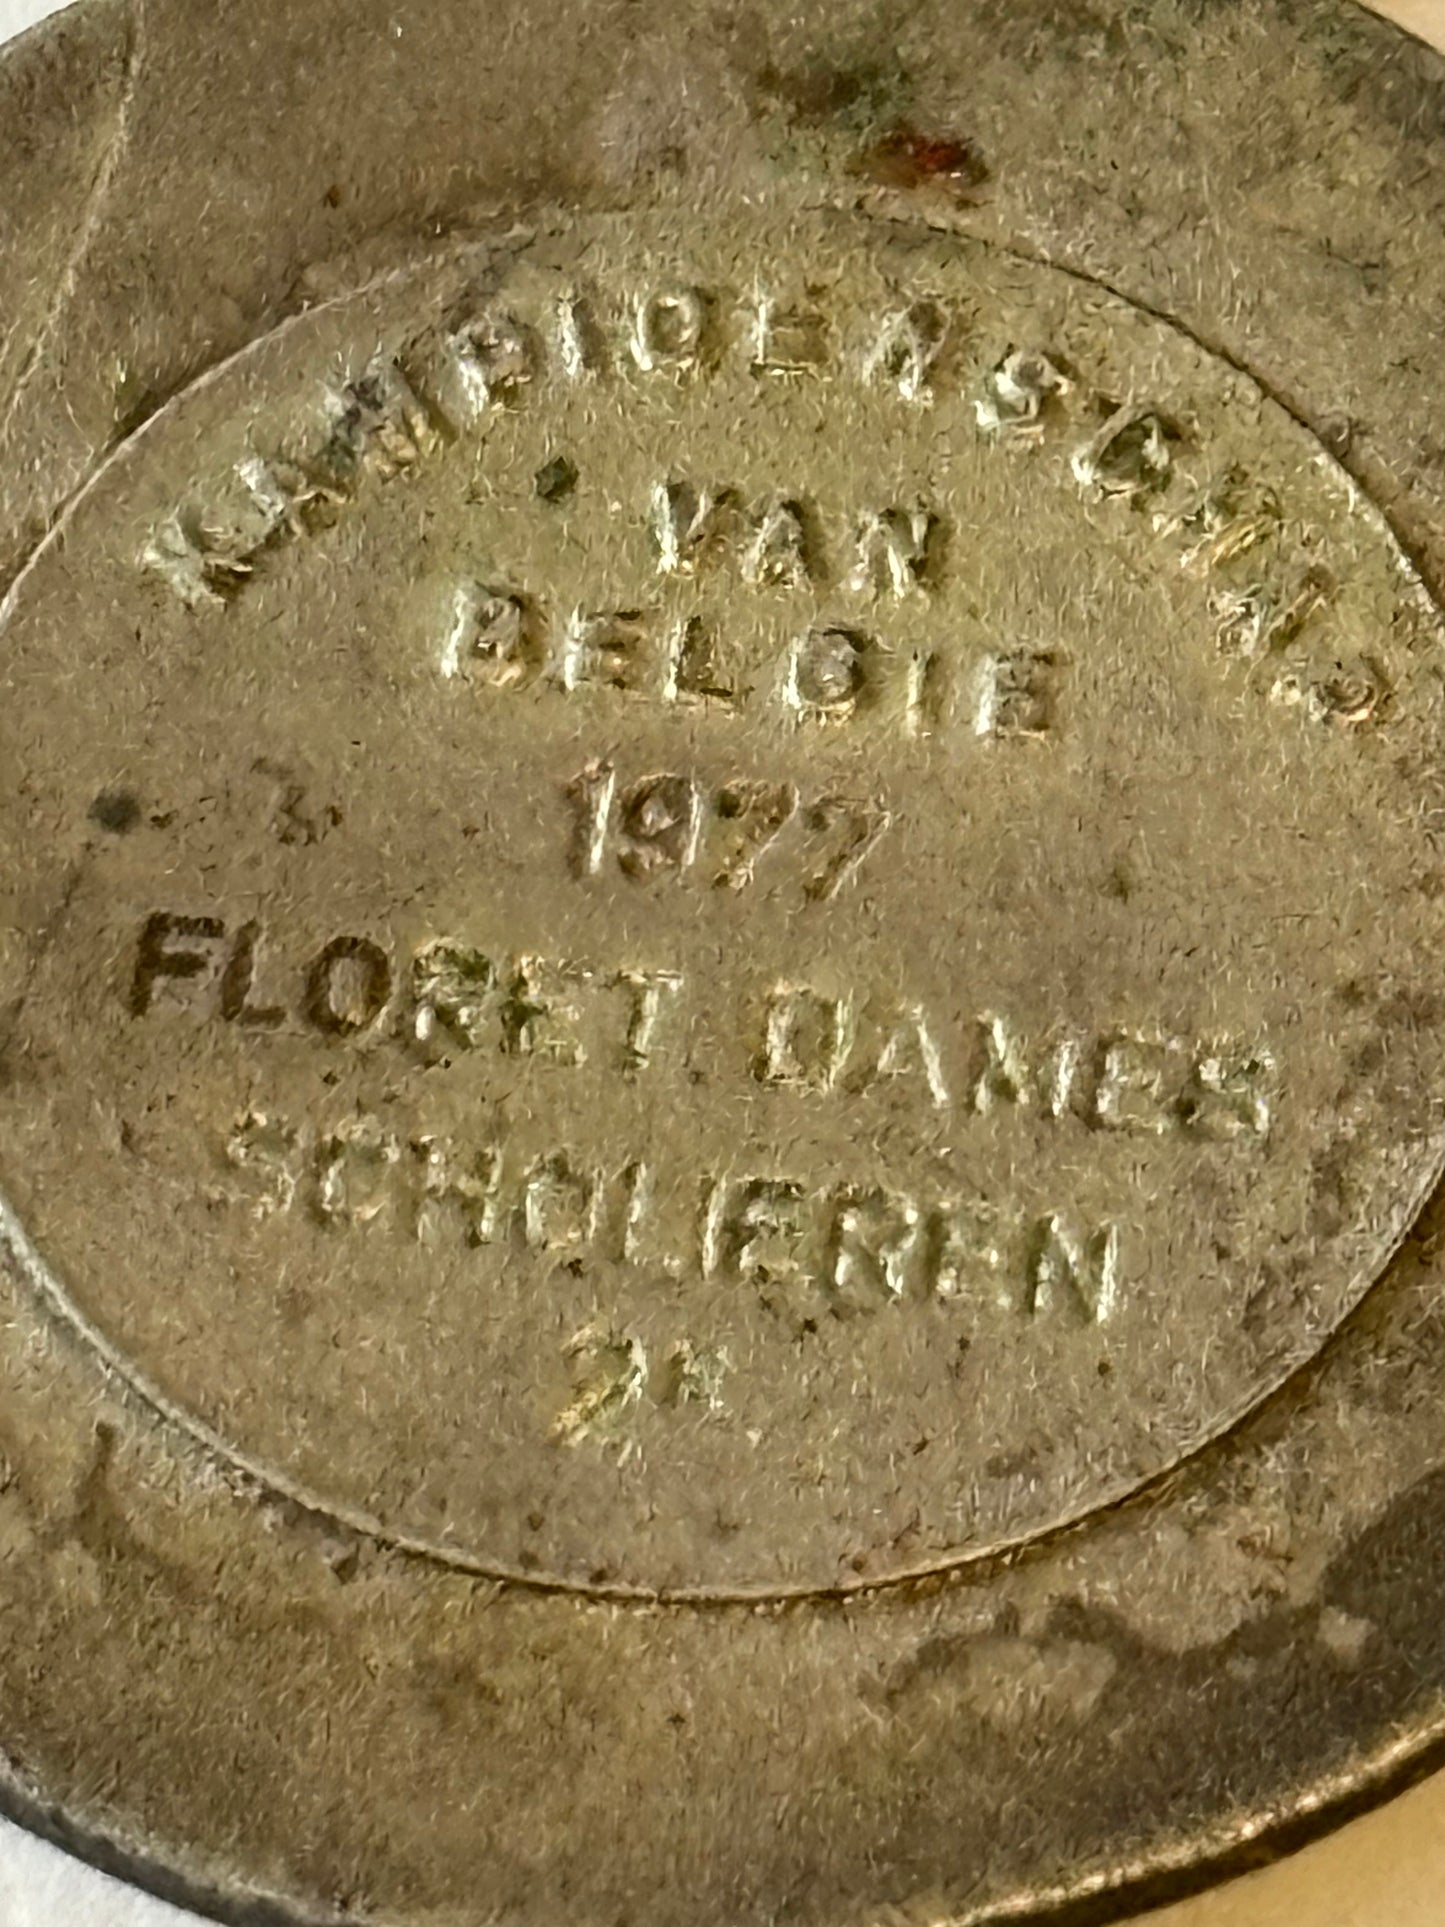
point(717, 1006)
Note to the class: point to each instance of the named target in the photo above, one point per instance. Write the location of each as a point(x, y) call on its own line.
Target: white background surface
point(40, 1887)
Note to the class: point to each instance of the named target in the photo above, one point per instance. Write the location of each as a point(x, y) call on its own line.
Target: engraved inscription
point(503, 637)
point(399, 412)
point(448, 998)
point(654, 826)
point(746, 951)
point(847, 1247)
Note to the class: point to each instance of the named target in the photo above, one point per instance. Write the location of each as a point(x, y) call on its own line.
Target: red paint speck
point(907, 159)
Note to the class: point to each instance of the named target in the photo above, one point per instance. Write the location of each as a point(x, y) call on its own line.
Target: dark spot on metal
point(818, 90)
point(1119, 884)
point(1413, 1009)
point(116, 810)
point(556, 480)
point(1368, 1058)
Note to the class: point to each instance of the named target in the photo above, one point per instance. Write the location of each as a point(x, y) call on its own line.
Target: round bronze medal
point(721, 1069)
